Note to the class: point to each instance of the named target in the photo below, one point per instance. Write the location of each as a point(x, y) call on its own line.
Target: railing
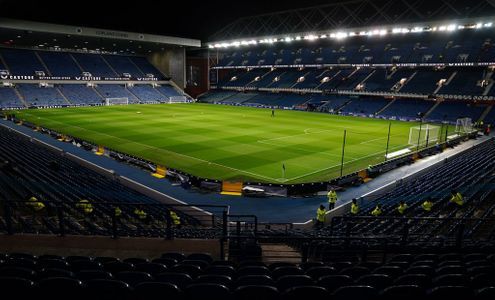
point(196, 221)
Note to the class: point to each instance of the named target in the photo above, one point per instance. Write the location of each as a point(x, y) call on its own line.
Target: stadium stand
point(95, 64)
point(116, 91)
point(41, 96)
point(80, 94)
point(122, 65)
point(64, 183)
point(9, 98)
point(60, 63)
point(22, 62)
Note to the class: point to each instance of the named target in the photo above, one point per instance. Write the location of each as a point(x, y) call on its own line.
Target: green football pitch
point(231, 143)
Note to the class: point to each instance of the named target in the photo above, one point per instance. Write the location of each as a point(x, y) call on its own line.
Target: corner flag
point(283, 170)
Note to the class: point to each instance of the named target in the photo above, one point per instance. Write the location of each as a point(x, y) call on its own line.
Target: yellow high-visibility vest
point(376, 212)
point(85, 206)
point(141, 214)
point(175, 218)
point(35, 204)
point(427, 205)
point(320, 215)
point(354, 209)
point(118, 211)
point(457, 199)
point(332, 197)
point(402, 208)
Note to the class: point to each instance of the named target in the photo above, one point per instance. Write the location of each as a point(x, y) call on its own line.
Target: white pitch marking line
point(305, 150)
point(382, 138)
point(159, 149)
point(331, 167)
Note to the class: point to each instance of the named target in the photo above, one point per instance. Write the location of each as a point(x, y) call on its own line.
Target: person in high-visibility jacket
point(85, 206)
point(402, 207)
point(35, 204)
point(175, 219)
point(427, 205)
point(354, 207)
point(377, 211)
point(140, 213)
point(320, 217)
point(117, 211)
point(332, 199)
point(457, 198)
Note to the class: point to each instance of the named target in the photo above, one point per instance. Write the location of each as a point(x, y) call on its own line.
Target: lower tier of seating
point(32, 95)
point(403, 109)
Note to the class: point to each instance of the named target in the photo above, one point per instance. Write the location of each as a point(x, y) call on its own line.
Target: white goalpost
point(464, 126)
point(177, 99)
point(423, 135)
point(116, 101)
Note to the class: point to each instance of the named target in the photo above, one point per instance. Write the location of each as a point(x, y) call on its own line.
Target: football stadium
point(329, 149)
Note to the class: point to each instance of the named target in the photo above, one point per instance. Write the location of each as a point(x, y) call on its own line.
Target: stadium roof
point(27, 34)
point(353, 14)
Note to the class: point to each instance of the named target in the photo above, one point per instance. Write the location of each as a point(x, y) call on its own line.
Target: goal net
point(116, 101)
point(177, 99)
point(463, 126)
point(423, 135)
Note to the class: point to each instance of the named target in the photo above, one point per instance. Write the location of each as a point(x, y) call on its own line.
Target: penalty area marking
point(331, 167)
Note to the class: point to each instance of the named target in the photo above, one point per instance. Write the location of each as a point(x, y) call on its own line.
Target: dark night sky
point(189, 18)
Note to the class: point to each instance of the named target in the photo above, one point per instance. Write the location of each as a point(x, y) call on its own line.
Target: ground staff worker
point(457, 198)
point(320, 217)
point(402, 207)
point(332, 199)
point(85, 206)
point(354, 207)
point(427, 205)
point(35, 204)
point(175, 219)
point(377, 211)
point(140, 214)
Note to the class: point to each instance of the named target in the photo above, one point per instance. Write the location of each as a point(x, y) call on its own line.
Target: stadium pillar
point(114, 227)
point(343, 154)
point(460, 235)
point(419, 134)
point(61, 221)
point(168, 230)
point(388, 140)
point(8, 217)
point(427, 136)
point(446, 133)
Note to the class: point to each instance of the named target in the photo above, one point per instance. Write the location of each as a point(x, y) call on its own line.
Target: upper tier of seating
point(66, 64)
point(421, 81)
point(435, 47)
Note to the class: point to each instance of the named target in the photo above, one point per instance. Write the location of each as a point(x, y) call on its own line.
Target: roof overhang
point(342, 33)
point(79, 35)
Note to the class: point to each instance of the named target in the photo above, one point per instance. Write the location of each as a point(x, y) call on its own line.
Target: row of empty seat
point(422, 81)
point(65, 64)
point(430, 47)
point(32, 95)
point(179, 276)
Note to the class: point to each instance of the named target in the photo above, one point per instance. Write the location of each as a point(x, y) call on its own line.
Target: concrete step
point(279, 252)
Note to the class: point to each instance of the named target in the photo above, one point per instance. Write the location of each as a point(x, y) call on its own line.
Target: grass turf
point(231, 143)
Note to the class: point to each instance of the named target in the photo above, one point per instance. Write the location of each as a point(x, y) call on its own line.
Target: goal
point(464, 126)
point(177, 99)
point(423, 135)
point(116, 101)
